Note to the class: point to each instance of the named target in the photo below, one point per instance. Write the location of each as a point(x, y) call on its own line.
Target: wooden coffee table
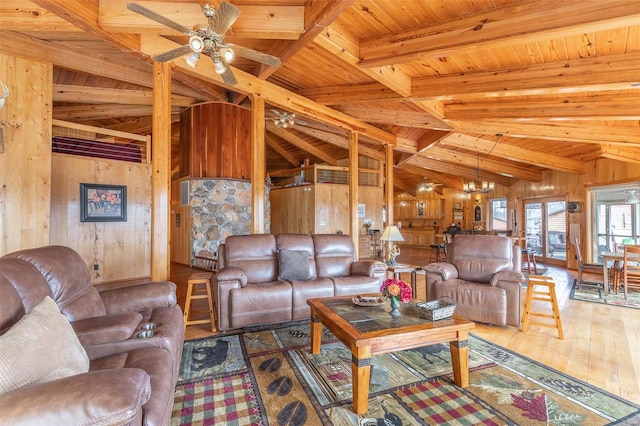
point(370, 330)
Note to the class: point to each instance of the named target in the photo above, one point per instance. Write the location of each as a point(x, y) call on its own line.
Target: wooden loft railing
point(81, 131)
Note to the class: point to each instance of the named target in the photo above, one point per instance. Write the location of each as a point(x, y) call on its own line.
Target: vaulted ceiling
point(438, 79)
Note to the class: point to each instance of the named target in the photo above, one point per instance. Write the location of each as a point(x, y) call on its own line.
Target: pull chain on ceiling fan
point(208, 40)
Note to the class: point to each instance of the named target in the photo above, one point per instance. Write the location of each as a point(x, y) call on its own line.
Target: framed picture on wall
point(103, 203)
point(477, 214)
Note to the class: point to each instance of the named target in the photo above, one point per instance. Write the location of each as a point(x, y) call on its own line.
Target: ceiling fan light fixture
point(228, 54)
point(196, 43)
point(193, 59)
point(219, 66)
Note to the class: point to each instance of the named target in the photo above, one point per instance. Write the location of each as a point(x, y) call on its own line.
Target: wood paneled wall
point(25, 154)
point(122, 250)
point(215, 141)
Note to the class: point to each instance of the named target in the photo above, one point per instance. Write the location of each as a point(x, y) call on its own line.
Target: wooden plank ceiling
point(560, 80)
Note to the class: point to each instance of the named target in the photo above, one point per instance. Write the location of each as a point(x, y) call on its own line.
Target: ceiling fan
point(208, 40)
point(285, 119)
point(428, 186)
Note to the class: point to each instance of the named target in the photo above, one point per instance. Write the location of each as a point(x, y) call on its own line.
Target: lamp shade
point(391, 233)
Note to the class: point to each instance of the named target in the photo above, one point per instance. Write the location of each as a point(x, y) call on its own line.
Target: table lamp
point(391, 234)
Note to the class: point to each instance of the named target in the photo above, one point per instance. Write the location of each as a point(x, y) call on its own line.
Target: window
point(617, 218)
point(498, 212)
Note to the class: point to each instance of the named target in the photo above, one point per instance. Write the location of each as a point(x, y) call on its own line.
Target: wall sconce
point(4, 94)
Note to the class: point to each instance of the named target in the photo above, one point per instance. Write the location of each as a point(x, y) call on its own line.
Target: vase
point(395, 307)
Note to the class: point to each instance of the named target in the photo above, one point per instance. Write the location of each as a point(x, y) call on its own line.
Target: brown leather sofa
point(264, 278)
point(130, 379)
point(482, 275)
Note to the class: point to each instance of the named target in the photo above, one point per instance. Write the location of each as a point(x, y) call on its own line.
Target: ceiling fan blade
point(254, 55)
point(172, 54)
point(224, 18)
point(134, 7)
point(228, 77)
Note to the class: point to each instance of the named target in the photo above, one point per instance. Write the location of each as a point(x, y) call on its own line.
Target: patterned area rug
point(269, 377)
point(596, 295)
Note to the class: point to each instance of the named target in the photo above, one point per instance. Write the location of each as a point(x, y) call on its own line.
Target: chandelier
point(482, 186)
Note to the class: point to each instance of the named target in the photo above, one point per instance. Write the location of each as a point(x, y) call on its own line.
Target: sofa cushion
point(255, 254)
point(293, 265)
point(334, 255)
point(41, 347)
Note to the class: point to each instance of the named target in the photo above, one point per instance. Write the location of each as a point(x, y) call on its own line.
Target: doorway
point(545, 222)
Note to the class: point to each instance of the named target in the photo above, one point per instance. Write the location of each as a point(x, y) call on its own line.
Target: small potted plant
point(396, 291)
point(367, 225)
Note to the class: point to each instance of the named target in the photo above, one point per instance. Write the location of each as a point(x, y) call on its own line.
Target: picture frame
point(103, 203)
point(477, 214)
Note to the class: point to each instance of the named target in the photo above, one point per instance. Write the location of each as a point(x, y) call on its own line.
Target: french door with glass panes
point(545, 222)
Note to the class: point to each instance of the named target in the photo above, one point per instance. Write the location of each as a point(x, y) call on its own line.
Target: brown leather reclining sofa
point(264, 279)
point(130, 379)
point(482, 275)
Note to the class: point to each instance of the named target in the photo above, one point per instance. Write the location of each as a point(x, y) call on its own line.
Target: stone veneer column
point(219, 208)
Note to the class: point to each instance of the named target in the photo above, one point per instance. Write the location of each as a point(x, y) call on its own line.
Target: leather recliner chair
point(482, 276)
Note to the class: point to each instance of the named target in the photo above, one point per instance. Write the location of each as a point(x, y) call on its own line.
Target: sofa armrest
point(226, 280)
point(368, 268)
point(513, 276)
point(139, 297)
point(513, 290)
point(80, 399)
point(106, 328)
point(232, 274)
point(446, 270)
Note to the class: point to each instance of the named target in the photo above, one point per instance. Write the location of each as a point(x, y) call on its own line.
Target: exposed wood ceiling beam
point(561, 131)
point(618, 107)
point(398, 117)
point(301, 143)
point(486, 164)
point(404, 186)
point(345, 47)
point(457, 170)
point(101, 95)
point(318, 16)
point(620, 153)
point(499, 27)
point(592, 74)
point(339, 140)
point(96, 111)
point(514, 153)
point(274, 145)
point(430, 139)
point(437, 177)
point(255, 21)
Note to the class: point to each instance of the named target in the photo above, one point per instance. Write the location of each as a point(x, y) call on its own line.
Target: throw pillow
point(41, 347)
point(293, 265)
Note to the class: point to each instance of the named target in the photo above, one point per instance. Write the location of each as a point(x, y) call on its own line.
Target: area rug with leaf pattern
point(596, 295)
point(269, 377)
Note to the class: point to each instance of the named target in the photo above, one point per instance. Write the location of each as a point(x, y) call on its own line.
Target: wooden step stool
point(544, 296)
point(199, 287)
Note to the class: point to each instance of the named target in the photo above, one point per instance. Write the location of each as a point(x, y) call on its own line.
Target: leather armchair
point(482, 275)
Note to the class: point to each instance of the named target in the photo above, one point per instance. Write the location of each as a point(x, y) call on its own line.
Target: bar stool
point(545, 296)
point(529, 256)
point(199, 287)
point(436, 251)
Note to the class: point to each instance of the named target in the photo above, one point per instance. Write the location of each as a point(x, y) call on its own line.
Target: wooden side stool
point(199, 287)
point(545, 296)
point(529, 256)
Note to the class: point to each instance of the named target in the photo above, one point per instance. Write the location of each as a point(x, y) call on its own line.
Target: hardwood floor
point(601, 344)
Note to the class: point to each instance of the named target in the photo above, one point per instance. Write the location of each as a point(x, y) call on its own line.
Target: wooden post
point(258, 165)
point(388, 195)
point(160, 170)
point(353, 190)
